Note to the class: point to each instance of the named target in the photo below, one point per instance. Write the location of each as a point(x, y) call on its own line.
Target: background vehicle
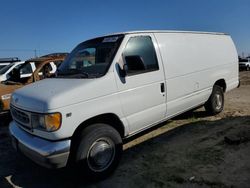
point(26, 71)
point(6, 61)
point(244, 63)
point(113, 87)
point(44, 67)
point(3, 65)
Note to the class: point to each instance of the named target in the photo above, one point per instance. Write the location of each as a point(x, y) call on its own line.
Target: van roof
point(169, 31)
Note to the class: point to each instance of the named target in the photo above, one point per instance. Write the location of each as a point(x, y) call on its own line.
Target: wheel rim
point(101, 154)
point(218, 101)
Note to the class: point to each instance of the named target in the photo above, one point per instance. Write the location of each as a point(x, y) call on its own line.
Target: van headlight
point(46, 122)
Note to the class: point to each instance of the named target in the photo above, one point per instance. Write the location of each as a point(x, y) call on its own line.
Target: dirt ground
point(188, 151)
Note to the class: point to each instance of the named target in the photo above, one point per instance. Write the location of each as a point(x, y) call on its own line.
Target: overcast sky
point(43, 26)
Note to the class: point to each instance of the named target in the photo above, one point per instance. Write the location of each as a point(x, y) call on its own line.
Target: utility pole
point(35, 53)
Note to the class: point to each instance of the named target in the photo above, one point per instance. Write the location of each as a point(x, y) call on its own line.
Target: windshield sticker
point(110, 39)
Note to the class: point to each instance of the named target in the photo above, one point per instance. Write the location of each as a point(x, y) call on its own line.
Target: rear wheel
point(215, 103)
point(99, 151)
point(248, 68)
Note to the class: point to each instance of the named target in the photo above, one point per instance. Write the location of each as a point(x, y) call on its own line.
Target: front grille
point(21, 116)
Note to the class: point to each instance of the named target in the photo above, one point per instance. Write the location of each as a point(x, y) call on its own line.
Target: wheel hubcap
point(101, 154)
point(218, 101)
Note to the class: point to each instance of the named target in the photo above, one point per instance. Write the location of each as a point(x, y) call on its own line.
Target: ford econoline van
point(112, 87)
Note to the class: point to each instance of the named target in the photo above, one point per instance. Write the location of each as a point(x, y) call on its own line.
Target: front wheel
point(99, 151)
point(215, 103)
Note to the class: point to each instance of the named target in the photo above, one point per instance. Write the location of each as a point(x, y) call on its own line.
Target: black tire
point(248, 68)
point(98, 151)
point(215, 103)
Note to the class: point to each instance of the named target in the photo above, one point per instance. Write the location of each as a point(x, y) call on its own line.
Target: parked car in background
point(115, 86)
point(25, 72)
point(6, 61)
point(44, 67)
point(58, 63)
point(3, 65)
point(244, 63)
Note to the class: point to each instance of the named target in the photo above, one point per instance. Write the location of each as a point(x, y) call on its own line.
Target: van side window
point(140, 56)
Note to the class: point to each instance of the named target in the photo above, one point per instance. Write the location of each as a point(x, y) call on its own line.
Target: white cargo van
point(112, 87)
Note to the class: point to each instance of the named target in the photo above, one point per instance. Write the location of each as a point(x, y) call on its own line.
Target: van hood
point(51, 94)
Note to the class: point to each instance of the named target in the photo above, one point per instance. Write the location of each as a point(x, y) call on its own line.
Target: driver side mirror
point(134, 63)
point(131, 64)
point(123, 70)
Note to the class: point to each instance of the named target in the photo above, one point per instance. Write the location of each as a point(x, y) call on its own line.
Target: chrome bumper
point(50, 154)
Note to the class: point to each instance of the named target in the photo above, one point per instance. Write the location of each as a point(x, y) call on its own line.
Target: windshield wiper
point(77, 74)
point(95, 75)
point(80, 74)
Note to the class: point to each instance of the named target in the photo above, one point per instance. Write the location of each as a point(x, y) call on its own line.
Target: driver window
point(140, 48)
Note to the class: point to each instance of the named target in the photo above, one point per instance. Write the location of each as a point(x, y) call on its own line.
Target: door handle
point(162, 88)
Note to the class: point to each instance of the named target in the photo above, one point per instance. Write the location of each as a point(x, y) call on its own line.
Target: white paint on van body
point(193, 63)
point(189, 65)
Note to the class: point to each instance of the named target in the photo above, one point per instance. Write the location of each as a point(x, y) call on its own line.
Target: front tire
point(215, 103)
point(99, 151)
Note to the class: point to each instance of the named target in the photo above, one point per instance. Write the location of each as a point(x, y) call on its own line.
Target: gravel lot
point(188, 151)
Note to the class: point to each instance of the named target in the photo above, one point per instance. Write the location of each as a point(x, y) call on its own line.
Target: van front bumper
point(50, 154)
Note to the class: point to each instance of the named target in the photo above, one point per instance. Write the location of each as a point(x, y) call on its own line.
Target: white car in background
point(244, 63)
point(2, 65)
point(6, 61)
point(25, 71)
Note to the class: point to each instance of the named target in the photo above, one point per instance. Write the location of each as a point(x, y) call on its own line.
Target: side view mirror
point(125, 67)
point(122, 67)
point(134, 63)
point(123, 70)
point(131, 64)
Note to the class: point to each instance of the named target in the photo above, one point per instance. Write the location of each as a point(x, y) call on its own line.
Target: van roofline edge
point(167, 31)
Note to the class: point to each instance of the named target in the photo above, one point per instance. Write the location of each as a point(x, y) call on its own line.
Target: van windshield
point(90, 59)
